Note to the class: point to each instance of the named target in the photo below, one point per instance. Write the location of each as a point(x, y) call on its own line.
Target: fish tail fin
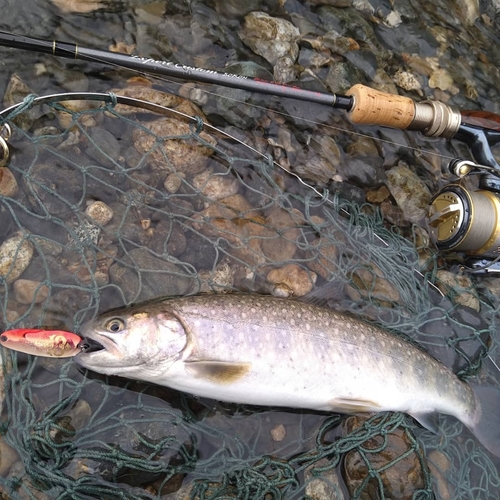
point(486, 421)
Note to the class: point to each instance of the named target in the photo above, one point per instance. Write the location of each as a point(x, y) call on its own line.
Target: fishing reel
point(465, 219)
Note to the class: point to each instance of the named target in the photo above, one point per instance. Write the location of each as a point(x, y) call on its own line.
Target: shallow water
point(205, 34)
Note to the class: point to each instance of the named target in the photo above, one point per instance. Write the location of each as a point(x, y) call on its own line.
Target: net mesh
point(115, 205)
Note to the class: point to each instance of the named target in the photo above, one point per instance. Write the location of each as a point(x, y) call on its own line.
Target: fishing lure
point(47, 343)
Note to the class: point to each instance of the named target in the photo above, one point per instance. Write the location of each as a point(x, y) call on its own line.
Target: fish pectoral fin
point(352, 405)
point(427, 420)
point(220, 372)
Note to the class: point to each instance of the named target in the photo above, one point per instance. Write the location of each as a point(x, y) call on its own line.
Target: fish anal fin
point(427, 420)
point(219, 372)
point(353, 405)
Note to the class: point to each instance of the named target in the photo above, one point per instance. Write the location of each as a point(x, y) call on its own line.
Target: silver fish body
point(268, 351)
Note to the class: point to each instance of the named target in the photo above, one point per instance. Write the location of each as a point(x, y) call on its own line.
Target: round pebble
point(7, 457)
point(30, 292)
point(173, 182)
point(8, 183)
point(99, 212)
point(278, 433)
point(15, 255)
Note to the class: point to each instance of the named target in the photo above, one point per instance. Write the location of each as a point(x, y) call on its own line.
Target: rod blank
point(172, 69)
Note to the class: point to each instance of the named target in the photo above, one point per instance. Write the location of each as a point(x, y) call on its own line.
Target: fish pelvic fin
point(351, 405)
point(219, 372)
point(486, 420)
point(427, 420)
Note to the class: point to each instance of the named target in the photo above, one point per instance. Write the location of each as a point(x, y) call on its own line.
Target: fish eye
point(114, 325)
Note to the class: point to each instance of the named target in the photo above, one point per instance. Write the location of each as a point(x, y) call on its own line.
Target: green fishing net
point(114, 204)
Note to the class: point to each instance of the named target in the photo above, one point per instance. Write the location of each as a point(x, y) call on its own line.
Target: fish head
point(138, 343)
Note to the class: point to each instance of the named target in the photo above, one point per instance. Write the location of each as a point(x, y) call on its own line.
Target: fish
point(269, 351)
point(38, 342)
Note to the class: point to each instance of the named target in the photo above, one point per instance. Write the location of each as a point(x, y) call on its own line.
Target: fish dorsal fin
point(427, 420)
point(219, 372)
point(353, 405)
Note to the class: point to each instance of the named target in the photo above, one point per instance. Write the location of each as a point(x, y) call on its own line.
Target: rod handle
point(373, 107)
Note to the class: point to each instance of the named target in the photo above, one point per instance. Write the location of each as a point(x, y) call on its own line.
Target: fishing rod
point(460, 220)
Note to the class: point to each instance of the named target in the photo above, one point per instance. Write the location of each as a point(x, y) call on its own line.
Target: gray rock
point(105, 148)
point(142, 276)
point(409, 191)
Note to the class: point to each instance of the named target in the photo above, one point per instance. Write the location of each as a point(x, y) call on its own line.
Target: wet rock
point(142, 276)
point(363, 146)
point(410, 193)
point(30, 292)
point(167, 238)
point(393, 19)
point(86, 233)
point(190, 91)
point(407, 81)
point(278, 432)
point(236, 8)
point(65, 118)
point(378, 195)
point(341, 77)
point(15, 256)
point(459, 288)
point(99, 212)
point(8, 183)
point(15, 93)
point(369, 283)
point(173, 182)
point(174, 153)
point(57, 186)
point(468, 10)
point(8, 456)
point(322, 162)
point(441, 79)
point(281, 233)
point(337, 43)
point(93, 269)
point(292, 278)
point(233, 220)
point(400, 477)
point(29, 491)
point(284, 70)
point(218, 280)
point(125, 225)
point(79, 6)
point(200, 251)
point(104, 147)
point(323, 486)
point(363, 171)
point(216, 186)
point(270, 37)
point(333, 3)
point(440, 466)
point(322, 258)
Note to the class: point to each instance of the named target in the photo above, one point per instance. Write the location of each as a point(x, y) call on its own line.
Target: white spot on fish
point(308, 326)
point(253, 310)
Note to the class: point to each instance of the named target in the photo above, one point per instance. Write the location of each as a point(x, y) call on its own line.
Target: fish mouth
point(88, 345)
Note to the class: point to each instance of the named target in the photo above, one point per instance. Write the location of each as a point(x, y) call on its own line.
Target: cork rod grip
point(373, 107)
